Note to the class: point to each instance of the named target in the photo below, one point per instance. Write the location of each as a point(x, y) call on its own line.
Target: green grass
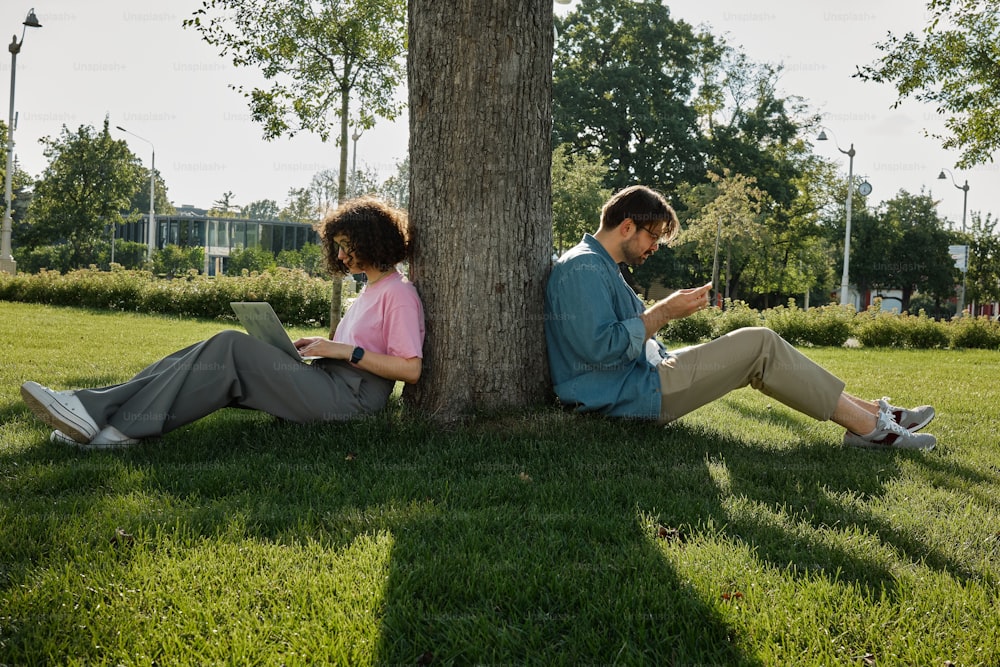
point(520, 539)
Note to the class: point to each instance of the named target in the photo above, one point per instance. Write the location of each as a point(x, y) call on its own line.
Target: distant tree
point(396, 188)
point(140, 198)
point(623, 84)
point(363, 181)
point(904, 246)
point(316, 56)
point(324, 188)
point(728, 230)
point(262, 209)
point(983, 278)
point(578, 193)
point(300, 206)
point(224, 207)
point(955, 65)
point(87, 185)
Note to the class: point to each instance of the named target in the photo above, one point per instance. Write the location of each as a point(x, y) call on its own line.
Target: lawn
point(744, 534)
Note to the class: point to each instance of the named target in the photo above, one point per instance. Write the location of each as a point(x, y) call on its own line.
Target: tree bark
point(480, 87)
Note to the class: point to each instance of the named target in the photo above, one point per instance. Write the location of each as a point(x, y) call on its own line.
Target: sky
point(132, 61)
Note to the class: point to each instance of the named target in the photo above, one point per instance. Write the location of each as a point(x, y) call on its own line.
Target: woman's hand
point(315, 346)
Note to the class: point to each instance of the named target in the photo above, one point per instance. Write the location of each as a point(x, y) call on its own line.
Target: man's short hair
point(644, 206)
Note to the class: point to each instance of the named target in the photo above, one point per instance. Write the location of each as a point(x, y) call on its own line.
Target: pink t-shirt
point(386, 318)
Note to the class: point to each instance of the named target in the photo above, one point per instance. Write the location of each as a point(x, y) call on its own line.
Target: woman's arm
point(382, 365)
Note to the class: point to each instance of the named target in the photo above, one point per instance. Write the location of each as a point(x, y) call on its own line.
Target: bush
point(975, 332)
point(876, 328)
point(693, 329)
point(925, 333)
point(735, 315)
point(297, 298)
point(824, 325)
point(173, 260)
point(251, 260)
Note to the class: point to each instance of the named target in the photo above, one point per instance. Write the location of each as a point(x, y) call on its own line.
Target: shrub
point(296, 298)
point(789, 322)
point(876, 328)
point(975, 332)
point(173, 260)
point(735, 315)
point(693, 329)
point(926, 333)
point(252, 259)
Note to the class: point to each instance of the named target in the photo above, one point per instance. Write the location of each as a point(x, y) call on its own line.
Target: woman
point(378, 342)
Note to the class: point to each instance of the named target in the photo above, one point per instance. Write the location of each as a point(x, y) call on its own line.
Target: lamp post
point(963, 188)
point(965, 205)
point(7, 263)
point(151, 234)
point(850, 191)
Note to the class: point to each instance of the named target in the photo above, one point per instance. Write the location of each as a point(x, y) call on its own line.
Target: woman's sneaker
point(108, 438)
point(890, 435)
point(912, 419)
point(61, 410)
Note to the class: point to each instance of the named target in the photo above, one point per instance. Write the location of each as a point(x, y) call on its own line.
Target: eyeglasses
point(659, 238)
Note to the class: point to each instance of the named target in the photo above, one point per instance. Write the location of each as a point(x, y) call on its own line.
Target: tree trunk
point(480, 85)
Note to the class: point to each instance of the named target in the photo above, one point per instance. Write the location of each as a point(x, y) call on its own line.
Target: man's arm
point(678, 305)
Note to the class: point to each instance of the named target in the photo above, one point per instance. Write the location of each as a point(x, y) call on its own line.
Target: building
point(190, 226)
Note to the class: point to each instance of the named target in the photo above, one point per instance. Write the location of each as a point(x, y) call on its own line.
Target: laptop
point(261, 322)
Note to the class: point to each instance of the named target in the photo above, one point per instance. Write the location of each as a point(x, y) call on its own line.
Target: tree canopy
point(316, 57)
point(89, 183)
point(953, 64)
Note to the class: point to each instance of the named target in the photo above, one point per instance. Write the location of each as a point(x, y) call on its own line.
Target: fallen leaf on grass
point(350, 456)
point(736, 595)
point(122, 539)
point(669, 534)
point(426, 658)
point(524, 477)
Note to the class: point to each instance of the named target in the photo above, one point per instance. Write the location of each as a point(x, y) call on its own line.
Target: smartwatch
point(357, 354)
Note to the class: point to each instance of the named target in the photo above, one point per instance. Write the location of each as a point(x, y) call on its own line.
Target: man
point(604, 356)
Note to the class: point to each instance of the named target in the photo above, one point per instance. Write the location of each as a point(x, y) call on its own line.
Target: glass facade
point(219, 236)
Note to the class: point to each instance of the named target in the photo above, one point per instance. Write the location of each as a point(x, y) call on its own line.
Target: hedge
point(298, 299)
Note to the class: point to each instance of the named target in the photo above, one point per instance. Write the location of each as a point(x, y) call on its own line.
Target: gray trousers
point(755, 356)
point(232, 369)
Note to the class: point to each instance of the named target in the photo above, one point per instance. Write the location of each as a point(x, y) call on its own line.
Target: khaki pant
point(754, 356)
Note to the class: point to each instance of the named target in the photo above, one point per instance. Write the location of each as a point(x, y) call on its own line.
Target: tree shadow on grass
point(512, 540)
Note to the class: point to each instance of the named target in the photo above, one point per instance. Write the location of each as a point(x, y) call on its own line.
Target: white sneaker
point(890, 435)
point(108, 438)
point(912, 419)
point(61, 410)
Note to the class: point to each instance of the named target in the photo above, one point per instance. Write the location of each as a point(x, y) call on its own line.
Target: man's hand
point(678, 305)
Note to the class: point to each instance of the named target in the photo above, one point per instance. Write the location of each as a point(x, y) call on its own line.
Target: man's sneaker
point(108, 438)
point(890, 435)
point(912, 419)
point(61, 410)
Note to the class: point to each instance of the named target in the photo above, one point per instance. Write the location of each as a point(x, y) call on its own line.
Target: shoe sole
point(54, 414)
point(861, 443)
point(60, 438)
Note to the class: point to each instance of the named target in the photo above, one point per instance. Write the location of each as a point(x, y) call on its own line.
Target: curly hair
point(376, 234)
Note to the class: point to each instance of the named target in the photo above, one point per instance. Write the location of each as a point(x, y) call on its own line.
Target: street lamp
point(151, 234)
point(963, 188)
point(965, 206)
point(850, 191)
point(7, 263)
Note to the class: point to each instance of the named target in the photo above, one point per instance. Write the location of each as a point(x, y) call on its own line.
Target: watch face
point(865, 188)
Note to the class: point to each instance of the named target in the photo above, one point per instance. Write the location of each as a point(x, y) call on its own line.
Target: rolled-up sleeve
point(588, 321)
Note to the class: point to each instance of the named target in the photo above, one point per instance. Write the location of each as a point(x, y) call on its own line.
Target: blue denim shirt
point(596, 340)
